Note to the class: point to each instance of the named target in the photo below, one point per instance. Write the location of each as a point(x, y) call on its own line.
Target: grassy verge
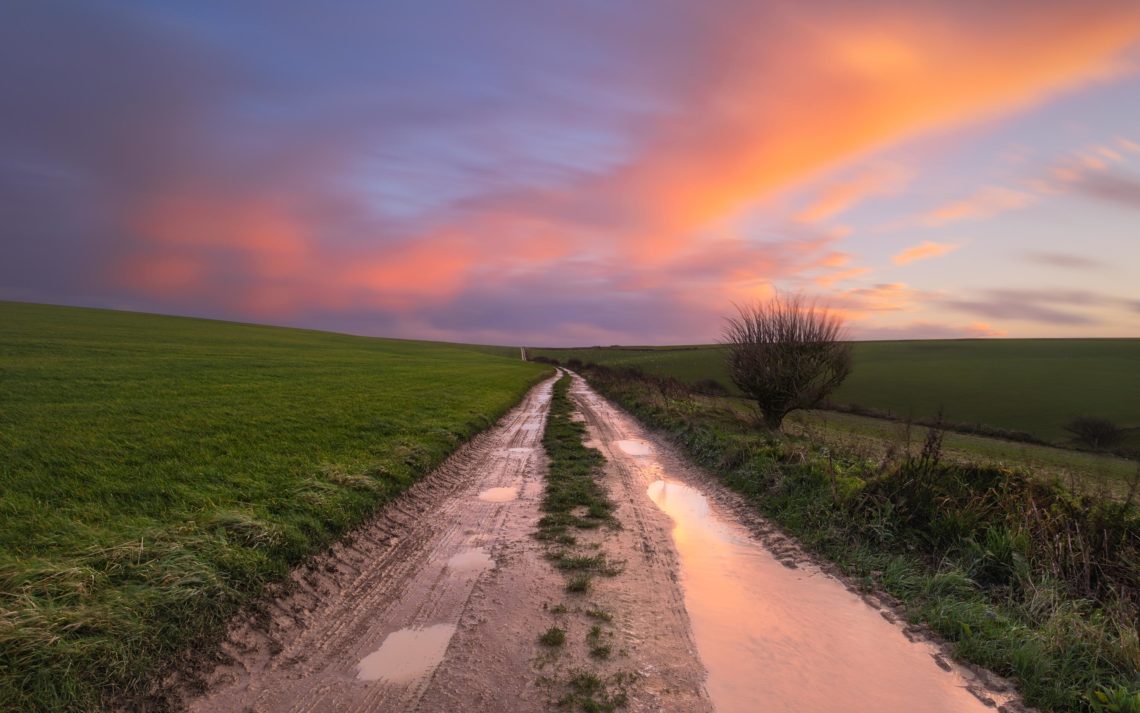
point(158, 472)
point(876, 438)
point(575, 500)
point(1024, 577)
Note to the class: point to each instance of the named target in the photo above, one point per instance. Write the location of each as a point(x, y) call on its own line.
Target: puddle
point(470, 560)
point(780, 639)
point(406, 654)
point(499, 495)
point(634, 448)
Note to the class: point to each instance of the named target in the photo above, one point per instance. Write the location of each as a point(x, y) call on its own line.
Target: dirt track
point(394, 574)
point(438, 603)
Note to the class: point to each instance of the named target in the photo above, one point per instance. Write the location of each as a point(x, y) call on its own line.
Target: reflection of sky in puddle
point(634, 448)
point(499, 495)
point(468, 560)
point(406, 654)
point(779, 639)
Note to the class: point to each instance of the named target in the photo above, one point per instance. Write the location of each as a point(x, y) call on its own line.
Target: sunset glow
point(580, 174)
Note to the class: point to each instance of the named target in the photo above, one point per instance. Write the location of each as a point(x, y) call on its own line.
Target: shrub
point(786, 354)
point(1095, 433)
point(710, 387)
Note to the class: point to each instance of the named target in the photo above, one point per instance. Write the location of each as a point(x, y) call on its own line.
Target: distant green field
point(875, 438)
point(1032, 385)
point(156, 471)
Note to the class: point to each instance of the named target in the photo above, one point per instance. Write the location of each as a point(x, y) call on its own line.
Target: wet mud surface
point(438, 603)
point(775, 631)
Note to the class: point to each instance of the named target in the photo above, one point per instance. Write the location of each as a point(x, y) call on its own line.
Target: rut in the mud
point(438, 604)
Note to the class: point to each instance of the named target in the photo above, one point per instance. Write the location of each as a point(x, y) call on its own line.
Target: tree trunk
point(773, 420)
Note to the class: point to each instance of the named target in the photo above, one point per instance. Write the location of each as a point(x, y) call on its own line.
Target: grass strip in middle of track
point(576, 499)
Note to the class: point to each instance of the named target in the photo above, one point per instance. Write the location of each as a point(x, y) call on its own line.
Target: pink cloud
point(841, 196)
point(846, 83)
point(924, 251)
point(928, 330)
point(841, 276)
point(985, 203)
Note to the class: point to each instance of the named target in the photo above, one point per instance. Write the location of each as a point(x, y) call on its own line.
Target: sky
point(592, 172)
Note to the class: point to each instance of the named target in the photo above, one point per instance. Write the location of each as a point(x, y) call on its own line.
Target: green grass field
point(1032, 385)
point(156, 472)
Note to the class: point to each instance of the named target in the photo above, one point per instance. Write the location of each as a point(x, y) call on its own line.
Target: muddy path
point(438, 603)
point(368, 622)
point(776, 631)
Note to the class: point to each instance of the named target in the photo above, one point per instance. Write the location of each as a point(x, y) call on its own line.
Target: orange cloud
point(847, 83)
point(993, 200)
point(1093, 163)
point(431, 268)
point(987, 202)
point(1109, 153)
point(1063, 175)
point(984, 329)
point(831, 278)
point(257, 256)
point(159, 274)
point(835, 259)
point(927, 330)
point(924, 251)
point(258, 231)
point(884, 297)
point(745, 116)
point(842, 196)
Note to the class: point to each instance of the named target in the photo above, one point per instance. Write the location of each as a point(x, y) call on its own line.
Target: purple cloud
point(1119, 188)
point(1044, 306)
point(1065, 260)
point(451, 171)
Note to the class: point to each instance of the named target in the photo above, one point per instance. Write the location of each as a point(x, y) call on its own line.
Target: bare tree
point(1095, 433)
point(786, 354)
